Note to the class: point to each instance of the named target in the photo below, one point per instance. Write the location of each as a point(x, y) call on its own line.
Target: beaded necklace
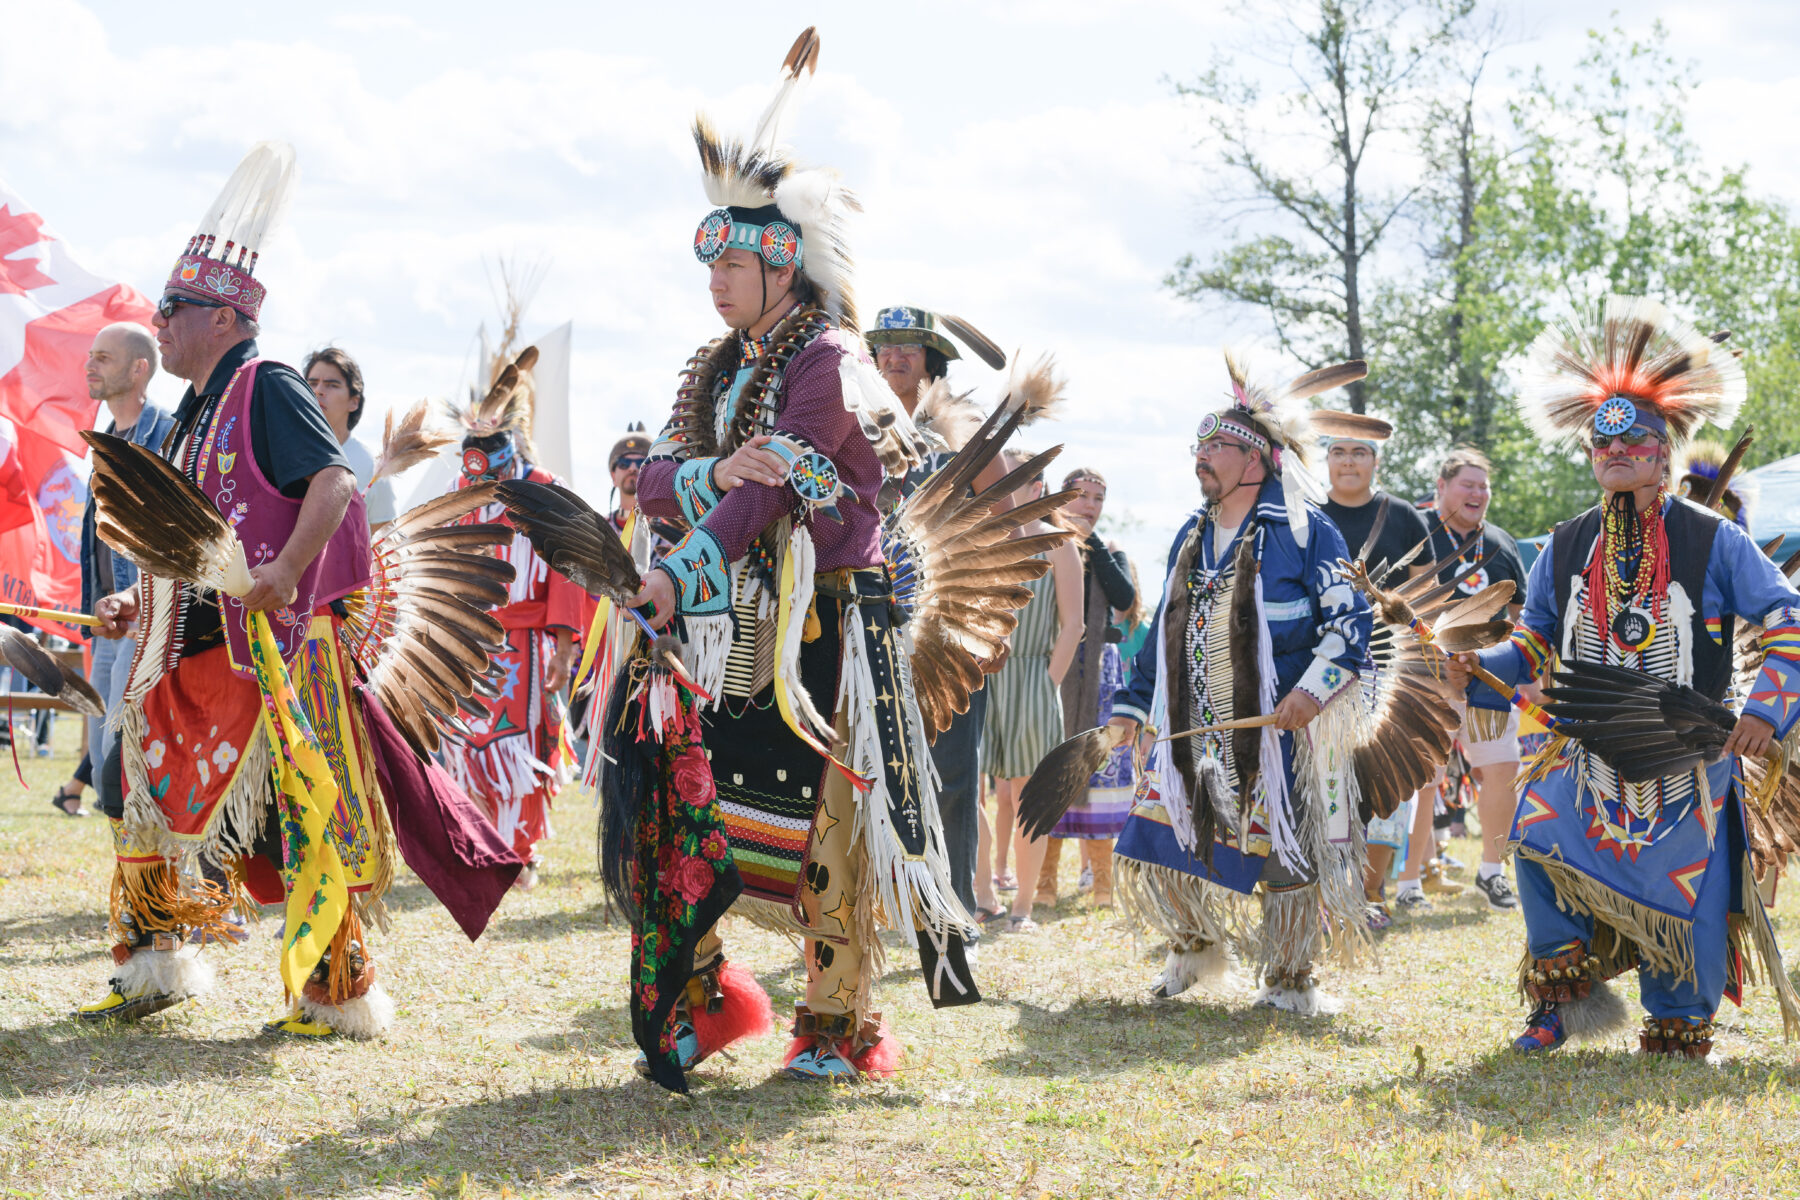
point(1630, 565)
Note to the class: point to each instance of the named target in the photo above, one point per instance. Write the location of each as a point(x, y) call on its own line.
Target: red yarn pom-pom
point(746, 1012)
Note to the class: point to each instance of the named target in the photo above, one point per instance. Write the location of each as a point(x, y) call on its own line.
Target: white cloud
point(1024, 165)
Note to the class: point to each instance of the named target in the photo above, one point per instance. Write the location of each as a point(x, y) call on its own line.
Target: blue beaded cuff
point(694, 489)
point(701, 573)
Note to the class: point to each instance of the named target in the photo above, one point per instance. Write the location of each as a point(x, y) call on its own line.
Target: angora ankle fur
point(182, 974)
point(367, 1016)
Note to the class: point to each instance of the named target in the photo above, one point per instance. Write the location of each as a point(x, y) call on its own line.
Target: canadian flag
point(50, 309)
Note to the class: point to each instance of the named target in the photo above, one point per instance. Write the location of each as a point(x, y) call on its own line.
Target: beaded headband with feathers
point(1640, 351)
point(763, 172)
point(1281, 415)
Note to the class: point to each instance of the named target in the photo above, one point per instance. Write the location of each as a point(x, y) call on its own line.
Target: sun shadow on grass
point(54, 927)
point(545, 926)
point(48, 1058)
point(546, 1133)
point(1547, 1094)
point(1107, 1037)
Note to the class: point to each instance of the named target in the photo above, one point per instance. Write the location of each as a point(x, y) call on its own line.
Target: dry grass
point(509, 1073)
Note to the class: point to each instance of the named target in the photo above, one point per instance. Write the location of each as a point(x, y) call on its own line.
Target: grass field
point(509, 1070)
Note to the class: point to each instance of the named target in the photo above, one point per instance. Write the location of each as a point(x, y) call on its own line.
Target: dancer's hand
point(277, 586)
point(556, 671)
point(116, 613)
point(750, 463)
point(1751, 736)
point(1120, 730)
point(1458, 669)
point(1295, 710)
point(656, 598)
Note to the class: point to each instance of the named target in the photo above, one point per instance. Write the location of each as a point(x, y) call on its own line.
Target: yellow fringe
point(1539, 766)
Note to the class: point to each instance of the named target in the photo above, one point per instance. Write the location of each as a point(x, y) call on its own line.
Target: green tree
point(1353, 73)
point(1592, 186)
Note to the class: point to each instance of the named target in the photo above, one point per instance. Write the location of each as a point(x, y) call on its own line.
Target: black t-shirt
point(1505, 562)
point(1403, 529)
point(289, 436)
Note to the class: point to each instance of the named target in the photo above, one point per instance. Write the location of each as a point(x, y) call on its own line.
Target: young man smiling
point(1489, 740)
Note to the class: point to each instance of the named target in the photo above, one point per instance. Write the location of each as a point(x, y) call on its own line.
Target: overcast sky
point(1026, 165)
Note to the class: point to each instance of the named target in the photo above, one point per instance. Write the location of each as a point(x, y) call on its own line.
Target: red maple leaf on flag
point(17, 231)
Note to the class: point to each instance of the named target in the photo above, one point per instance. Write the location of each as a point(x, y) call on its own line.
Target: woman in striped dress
point(1025, 720)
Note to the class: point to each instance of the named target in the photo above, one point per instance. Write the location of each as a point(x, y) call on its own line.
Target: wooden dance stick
point(49, 614)
point(1240, 723)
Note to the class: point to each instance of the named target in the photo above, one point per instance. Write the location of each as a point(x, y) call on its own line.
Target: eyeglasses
point(1636, 436)
point(1212, 446)
point(627, 461)
point(168, 304)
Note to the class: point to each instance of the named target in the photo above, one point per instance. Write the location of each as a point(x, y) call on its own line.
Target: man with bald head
point(119, 366)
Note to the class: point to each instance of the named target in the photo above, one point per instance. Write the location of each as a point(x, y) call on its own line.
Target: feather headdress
point(1642, 365)
point(508, 403)
point(1709, 477)
point(1277, 421)
point(219, 263)
point(765, 202)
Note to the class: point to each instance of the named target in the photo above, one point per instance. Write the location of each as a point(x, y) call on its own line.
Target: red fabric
point(882, 1059)
point(200, 720)
point(263, 881)
point(746, 1012)
point(44, 406)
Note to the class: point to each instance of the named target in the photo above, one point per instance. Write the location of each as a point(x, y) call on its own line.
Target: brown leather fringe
point(154, 895)
point(1177, 615)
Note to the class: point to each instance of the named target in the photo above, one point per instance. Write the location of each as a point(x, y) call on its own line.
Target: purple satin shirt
point(814, 410)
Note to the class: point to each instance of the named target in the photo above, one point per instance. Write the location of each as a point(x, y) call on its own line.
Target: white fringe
point(705, 652)
point(1188, 911)
point(787, 663)
point(1272, 779)
point(912, 893)
point(243, 808)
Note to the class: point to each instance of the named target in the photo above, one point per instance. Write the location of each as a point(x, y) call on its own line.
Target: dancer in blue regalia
point(1617, 873)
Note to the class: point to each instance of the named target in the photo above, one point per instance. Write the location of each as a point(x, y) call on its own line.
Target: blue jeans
point(112, 666)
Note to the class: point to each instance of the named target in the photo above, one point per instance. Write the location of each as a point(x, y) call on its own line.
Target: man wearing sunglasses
point(1631, 852)
point(187, 777)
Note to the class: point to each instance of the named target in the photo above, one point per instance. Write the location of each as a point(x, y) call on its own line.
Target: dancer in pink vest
point(188, 783)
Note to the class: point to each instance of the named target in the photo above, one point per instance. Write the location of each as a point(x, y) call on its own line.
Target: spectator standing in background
point(1024, 717)
point(337, 381)
point(1087, 692)
point(1354, 505)
point(1489, 739)
point(120, 364)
